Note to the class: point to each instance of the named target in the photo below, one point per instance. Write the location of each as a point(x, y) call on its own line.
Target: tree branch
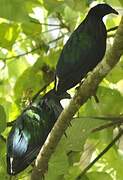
point(103, 118)
point(62, 24)
point(2, 138)
point(108, 125)
point(100, 155)
point(44, 24)
point(32, 50)
point(86, 90)
point(112, 29)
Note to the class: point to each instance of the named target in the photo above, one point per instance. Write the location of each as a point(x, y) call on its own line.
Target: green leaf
point(52, 57)
point(2, 119)
point(107, 103)
point(52, 6)
point(115, 161)
point(74, 171)
point(33, 79)
point(14, 10)
point(79, 132)
point(116, 74)
point(5, 88)
point(59, 163)
point(8, 35)
point(28, 84)
point(21, 65)
point(99, 176)
point(7, 106)
point(68, 15)
point(31, 29)
point(77, 5)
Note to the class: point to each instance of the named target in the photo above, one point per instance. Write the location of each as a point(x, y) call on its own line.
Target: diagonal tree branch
point(3, 138)
point(112, 29)
point(100, 155)
point(87, 89)
point(32, 50)
point(108, 125)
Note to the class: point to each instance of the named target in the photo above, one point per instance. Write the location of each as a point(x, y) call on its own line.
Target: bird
point(30, 131)
point(84, 49)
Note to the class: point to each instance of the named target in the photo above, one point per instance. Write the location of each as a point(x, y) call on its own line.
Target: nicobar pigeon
point(84, 49)
point(30, 132)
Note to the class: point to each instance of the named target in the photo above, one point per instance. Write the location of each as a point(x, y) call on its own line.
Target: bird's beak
point(114, 11)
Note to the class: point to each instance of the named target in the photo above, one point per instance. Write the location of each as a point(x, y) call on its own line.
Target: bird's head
point(101, 10)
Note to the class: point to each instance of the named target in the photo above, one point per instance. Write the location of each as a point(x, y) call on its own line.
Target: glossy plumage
point(84, 49)
point(30, 132)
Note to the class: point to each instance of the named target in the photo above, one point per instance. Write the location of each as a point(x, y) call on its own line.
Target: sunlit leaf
point(2, 119)
point(99, 175)
point(8, 34)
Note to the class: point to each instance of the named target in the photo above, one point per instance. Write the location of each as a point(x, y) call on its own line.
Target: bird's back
point(82, 52)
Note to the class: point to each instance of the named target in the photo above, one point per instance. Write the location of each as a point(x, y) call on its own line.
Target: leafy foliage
point(32, 34)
